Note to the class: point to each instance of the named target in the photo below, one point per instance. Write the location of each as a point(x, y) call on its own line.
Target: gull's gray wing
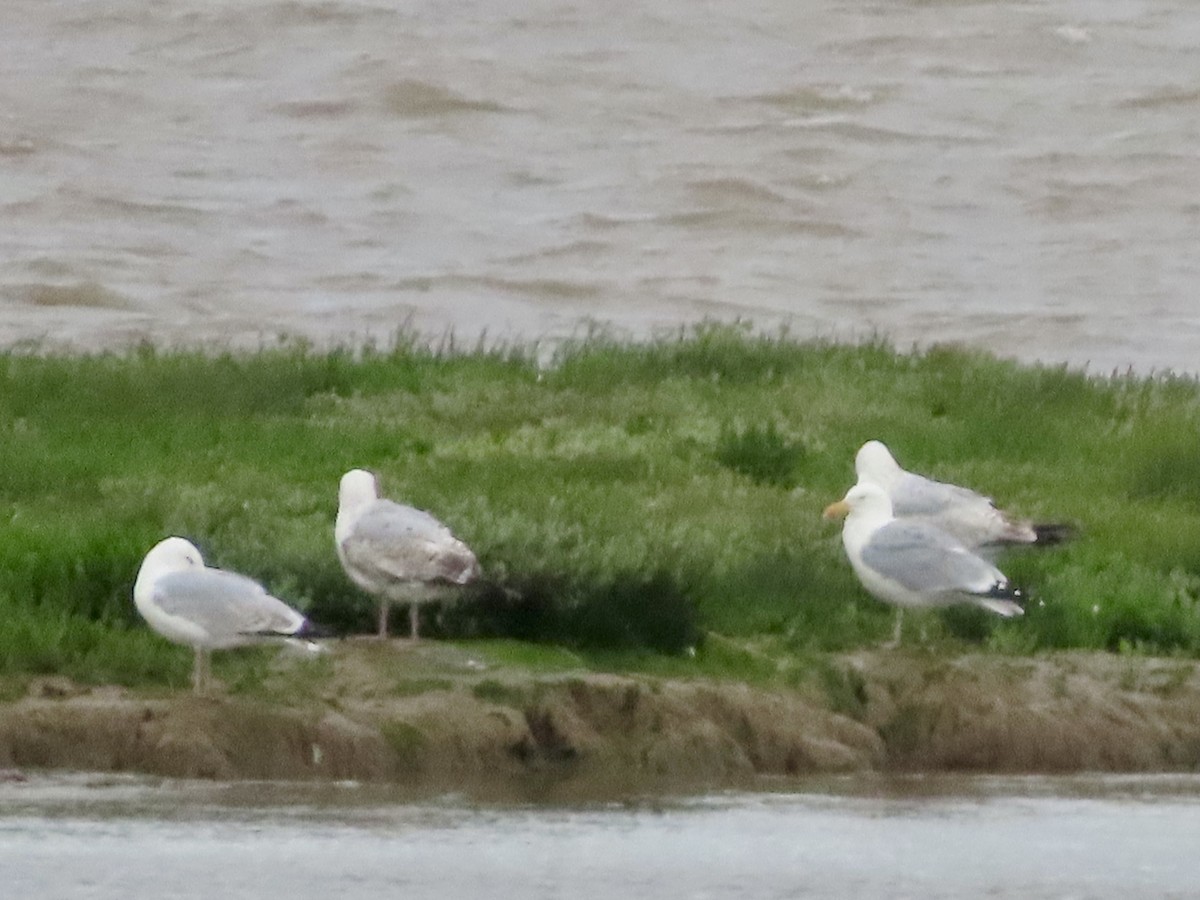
point(399, 542)
point(972, 518)
point(224, 604)
point(915, 495)
point(926, 560)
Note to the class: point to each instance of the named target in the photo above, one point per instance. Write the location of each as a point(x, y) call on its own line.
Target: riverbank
point(662, 600)
point(444, 718)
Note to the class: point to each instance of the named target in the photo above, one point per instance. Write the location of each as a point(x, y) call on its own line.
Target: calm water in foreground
point(1094, 837)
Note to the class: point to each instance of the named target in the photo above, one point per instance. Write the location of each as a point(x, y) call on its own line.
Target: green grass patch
point(492, 691)
point(761, 453)
point(626, 501)
point(621, 610)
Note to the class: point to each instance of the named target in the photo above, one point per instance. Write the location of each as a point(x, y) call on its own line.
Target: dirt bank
point(434, 718)
point(1053, 714)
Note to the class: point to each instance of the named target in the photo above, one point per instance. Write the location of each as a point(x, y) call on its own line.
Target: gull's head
point(874, 462)
point(174, 554)
point(865, 500)
point(358, 486)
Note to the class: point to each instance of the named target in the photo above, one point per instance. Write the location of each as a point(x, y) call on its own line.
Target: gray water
point(1020, 176)
point(1094, 837)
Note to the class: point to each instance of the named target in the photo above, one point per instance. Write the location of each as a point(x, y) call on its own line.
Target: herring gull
point(208, 608)
point(970, 517)
point(909, 563)
point(396, 552)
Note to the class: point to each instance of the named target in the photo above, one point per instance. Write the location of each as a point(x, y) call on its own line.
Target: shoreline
point(520, 734)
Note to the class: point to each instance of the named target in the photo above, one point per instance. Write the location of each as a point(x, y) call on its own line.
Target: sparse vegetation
point(404, 738)
point(498, 692)
point(625, 500)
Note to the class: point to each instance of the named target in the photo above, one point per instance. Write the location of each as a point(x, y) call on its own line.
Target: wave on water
point(18, 146)
point(82, 294)
point(413, 99)
point(316, 109)
point(1174, 95)
point(824, 98)
point(534, 288)
point(734, 191)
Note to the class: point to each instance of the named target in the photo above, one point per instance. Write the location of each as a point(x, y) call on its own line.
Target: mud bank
point(375, 715)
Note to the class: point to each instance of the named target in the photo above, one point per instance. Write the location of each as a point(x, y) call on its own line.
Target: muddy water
point(1095, 837)
point(1022, 176)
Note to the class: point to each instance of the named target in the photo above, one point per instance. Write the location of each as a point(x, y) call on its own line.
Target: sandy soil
point(432, 716)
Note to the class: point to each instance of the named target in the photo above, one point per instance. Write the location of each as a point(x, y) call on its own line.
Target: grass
point(628, 502)
point(492, 691)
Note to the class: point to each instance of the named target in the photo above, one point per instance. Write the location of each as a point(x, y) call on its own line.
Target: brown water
point(1022, 176)
point(1090, 837)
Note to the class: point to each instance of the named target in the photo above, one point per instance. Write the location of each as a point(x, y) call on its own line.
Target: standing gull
point(207, 608)
point(909, 563)
point(968, 516)
point(400, 554)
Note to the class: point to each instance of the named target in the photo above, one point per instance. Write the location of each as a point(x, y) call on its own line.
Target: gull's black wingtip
point(1053, 534)
point(1007, 592)
point(313, 631)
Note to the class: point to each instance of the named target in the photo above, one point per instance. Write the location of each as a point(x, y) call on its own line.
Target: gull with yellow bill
point(910, 564)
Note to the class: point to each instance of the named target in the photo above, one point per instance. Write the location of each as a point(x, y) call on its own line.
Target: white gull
point(398, 553)
point(914, 564)
point(207, 608)
point(971, 517)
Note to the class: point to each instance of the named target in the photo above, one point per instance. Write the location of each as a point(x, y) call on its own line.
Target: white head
point(865, 501)
point(874, 462)
point(358, 487)
point(174, 554)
